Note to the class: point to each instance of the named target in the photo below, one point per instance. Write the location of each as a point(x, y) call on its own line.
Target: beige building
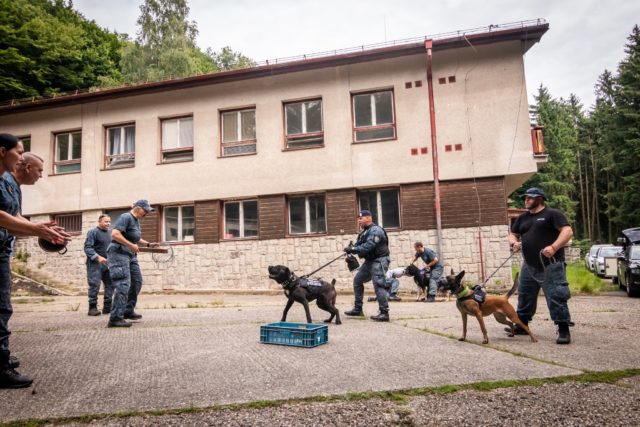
point(270, 164)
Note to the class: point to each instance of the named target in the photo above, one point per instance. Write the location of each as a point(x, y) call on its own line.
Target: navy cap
point(365, 212)
point(144, 204)
point(534, 192)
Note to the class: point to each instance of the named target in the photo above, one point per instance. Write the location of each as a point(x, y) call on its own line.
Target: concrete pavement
point(204, 350)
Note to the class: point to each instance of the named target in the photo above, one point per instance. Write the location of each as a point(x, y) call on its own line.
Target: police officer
point(430, 258)
point(11, 222)
point(95, 247)
point(372, 245)
point(123, 265)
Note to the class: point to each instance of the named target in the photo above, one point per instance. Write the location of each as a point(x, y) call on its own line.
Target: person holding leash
point(11, 224)
point(372, 245)
point(430, 258)
point(95, 248)
point(542, 233)
point(122, 260)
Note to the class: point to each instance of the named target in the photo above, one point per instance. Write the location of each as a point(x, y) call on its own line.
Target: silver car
point(590, 257)
point(607, 261)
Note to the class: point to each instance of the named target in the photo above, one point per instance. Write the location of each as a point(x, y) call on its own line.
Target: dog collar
point(463, 293)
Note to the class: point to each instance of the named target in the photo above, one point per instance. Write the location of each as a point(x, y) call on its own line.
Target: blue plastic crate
point(295, 334)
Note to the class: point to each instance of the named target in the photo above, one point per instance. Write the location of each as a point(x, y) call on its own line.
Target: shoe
point(133, 316)
point(380, 317)
point(354, 312)
point(372, 299)
point(93, 311)
point(394, 298)
point(118, 323)
point(563, 335)
point(517, 330)
point(106, 309)
point(13, 363)
point(430, 298)
point(10, 378)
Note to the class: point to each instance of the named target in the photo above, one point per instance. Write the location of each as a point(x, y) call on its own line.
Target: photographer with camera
point(372, 245)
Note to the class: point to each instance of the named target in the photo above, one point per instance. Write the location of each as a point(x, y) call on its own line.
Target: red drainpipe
point(481, 256)
point(428, 44)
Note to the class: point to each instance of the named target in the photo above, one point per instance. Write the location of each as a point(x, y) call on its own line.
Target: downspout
point(428, 44)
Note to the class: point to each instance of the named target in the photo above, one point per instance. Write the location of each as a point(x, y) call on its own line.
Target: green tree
point(46, 47)
point(227, 59)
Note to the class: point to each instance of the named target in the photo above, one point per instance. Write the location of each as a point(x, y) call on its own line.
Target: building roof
point(525, 31)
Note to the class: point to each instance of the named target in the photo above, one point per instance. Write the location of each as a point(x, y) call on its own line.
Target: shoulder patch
point(376, 239)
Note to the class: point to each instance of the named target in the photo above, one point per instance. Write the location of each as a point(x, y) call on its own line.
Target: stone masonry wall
point(242, 264)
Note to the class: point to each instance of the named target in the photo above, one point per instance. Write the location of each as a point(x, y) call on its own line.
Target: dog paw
point(461, 339)
point(338, 322)
point(485, 341)
point(327, 320)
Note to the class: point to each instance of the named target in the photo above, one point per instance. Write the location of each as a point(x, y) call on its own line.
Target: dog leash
point(497, 269)
point(320, 268)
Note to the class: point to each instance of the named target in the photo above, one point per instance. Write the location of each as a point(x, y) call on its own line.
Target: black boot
point(14, 363)
point(133, 316)
point(355, 311)
point(394, 297)
point(380, 317)
point(93, 310)
point(118, 323)
point(106, 309)
point(564, 336)
point(9, 377)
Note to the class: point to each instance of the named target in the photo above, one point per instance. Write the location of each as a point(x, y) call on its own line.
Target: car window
point(599, 250)
point(635, 252)
point(609, 251)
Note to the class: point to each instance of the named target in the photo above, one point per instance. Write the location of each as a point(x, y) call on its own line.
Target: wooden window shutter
point(150, 225)
point(207, 222)
point(469, 203)
point(272, 211)
point(417, 206)
point(342, 212)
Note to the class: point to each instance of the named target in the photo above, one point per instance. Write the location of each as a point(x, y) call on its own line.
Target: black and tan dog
point(303, 290)
point(499, 306)
point(421, 279)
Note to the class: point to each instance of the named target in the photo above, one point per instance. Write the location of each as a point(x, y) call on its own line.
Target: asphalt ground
point(202, 351)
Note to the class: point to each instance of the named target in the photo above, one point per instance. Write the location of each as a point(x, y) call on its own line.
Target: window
point(303, 124)
point(26, 142)
point(307, 215)
point(373, 116)
point(241, 219)
point(177, 139)
point(121, 146)
point(384, 206)
point(238, 132)
point(115, 214)
point(67, 152)
point(179, 223)
point(72, 223)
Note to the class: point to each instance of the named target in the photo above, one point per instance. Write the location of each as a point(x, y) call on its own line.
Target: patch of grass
point(581, 280)
point(216, 303)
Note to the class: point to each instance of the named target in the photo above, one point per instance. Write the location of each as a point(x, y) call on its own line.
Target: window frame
point(380, 214)
point(56, 163)
point(180, 150)
point(127, 163)
point(241, 219)
point(180, 240)
point(240, 142)
point(74, 218)
point(307, 215)
point(392, 125)
point(301, 137)
point(22, 139)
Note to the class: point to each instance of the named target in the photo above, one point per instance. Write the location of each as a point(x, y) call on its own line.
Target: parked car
point(590, 257)
point(606, 261)
point(629, 262)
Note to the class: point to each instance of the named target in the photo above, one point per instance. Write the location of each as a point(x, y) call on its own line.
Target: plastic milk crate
point(296, 334)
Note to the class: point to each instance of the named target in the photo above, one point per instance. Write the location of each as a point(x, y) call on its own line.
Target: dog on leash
point(468, 303)
point(421, 279)
point(304, 291)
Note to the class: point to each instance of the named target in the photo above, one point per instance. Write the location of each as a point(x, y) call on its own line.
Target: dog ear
point(460, 276)
point(453, 272)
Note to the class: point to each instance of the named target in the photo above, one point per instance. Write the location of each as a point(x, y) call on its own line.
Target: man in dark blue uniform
point(542, 233)
point(95, 247)
point(123, 264)
point(430, 258)
point(372, 245)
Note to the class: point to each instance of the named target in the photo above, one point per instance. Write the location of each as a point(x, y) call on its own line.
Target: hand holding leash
point(516, 246)
point(350, 249)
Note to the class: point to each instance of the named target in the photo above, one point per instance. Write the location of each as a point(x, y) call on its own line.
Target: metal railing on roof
point(297, 58)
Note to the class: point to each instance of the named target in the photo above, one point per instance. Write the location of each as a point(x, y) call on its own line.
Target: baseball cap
point(144, 204)
point(365, 212)
point(534, 192)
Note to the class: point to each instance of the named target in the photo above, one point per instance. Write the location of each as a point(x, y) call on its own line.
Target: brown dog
point(497, 305)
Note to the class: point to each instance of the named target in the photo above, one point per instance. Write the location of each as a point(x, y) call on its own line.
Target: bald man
point(28, 172)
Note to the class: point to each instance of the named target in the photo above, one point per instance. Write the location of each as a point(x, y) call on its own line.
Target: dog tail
point(516, 282)
point(333, 283)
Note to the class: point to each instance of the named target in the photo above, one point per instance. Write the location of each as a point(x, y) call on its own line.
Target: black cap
point(144, 204)
point(534, 192)
point(365, 212)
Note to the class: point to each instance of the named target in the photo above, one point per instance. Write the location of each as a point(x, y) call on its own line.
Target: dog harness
point(311, 285)
point(477, 294)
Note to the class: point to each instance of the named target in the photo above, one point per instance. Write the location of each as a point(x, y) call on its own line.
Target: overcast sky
point(585, 36)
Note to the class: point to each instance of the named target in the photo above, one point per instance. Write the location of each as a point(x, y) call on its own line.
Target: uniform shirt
point(372, 243)
point(97, 242)
point(10, 203)
point(538, 231)
point(429, 255)
point(11, 180)
point(129, 226)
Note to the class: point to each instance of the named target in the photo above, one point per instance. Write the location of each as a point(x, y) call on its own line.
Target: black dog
point(303, 290)
point(421, 278)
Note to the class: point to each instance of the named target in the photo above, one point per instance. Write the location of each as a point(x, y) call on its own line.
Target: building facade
point(270, 164)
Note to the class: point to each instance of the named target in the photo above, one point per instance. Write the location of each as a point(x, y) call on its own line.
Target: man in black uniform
point(372, 245)
point(542, 233)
